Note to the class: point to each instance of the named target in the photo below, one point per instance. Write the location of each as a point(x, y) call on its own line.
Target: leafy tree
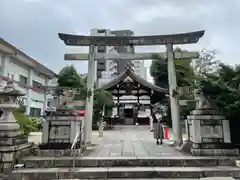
point(102, 102)
point(68, 77)
point(159, 71)
point(206, 63)
point(222, 89)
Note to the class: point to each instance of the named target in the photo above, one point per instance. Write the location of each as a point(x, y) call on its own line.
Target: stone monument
point(60, 129)
point(209, 132)
point(13, 144)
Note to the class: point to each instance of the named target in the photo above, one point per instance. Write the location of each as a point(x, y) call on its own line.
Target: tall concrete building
point(101, 64)
point(108, 70)
point(123, 49)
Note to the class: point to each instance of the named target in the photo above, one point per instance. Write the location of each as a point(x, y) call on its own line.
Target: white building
point(138, 66)
point(28, 74)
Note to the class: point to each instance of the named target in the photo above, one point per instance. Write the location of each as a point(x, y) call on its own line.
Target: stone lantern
point(12, 141)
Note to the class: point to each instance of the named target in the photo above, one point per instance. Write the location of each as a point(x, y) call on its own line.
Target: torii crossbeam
point(126, 56)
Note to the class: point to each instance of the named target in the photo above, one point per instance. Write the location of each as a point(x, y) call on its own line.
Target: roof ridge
point(14, 48)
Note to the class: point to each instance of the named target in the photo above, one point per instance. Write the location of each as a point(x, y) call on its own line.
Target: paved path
point(131, 141)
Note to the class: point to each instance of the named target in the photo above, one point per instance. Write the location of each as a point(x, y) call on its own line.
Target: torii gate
point(167, 40)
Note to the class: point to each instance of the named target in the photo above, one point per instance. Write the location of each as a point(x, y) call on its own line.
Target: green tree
point(222, 89)
point(68, 77)
point(159, 71)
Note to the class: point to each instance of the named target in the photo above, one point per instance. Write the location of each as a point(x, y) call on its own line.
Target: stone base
point(214, 152)
point(59, 152)
point(10, 155)
point(217, 178)
point(58, 146)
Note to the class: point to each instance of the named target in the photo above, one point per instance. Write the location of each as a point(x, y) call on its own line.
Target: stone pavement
point(131, 141)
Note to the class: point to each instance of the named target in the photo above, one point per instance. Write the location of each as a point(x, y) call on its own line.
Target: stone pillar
point(100, 123)
point(89, 99)
point(29, 84)
point(174, 100)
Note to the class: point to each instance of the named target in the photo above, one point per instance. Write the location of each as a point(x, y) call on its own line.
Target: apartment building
point(123, 49)
point(28, 74)
point(107, 70)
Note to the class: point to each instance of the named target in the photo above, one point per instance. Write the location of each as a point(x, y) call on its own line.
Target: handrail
point(73, 147)
point(75, 140)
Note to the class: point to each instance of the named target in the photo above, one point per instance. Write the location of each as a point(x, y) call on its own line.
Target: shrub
point(26, 124)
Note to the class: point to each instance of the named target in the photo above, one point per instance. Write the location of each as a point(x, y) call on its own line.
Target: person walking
point(158, 129)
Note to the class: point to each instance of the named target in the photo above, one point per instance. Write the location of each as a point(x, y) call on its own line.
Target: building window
point(101, 63)
point(101, 31)
point(36, 84)
point(23, 80)
point(35, 112)
point(101, 49)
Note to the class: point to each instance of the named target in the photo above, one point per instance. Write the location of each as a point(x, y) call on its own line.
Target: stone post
point(100, 123)
point(174, 100)
point(100, 127)
point(89, 99)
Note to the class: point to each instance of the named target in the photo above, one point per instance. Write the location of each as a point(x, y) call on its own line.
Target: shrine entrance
point(132, 96)
point(128, 111)
point(167, 40)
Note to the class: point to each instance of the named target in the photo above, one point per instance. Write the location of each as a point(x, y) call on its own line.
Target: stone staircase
point(165, 167)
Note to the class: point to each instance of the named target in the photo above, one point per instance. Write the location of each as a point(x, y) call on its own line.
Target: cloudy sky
point(32, 25)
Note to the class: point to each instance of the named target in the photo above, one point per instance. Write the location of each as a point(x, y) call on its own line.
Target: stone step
point(184, 161)
point(141, 179)
point(125, 172)
point(216, 178)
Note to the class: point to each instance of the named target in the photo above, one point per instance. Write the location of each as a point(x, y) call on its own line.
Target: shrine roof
point(130, 73)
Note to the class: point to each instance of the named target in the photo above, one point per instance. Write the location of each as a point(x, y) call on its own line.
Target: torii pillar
point(90, 94)
point(174, 100)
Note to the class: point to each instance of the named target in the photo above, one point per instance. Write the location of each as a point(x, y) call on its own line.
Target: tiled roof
point(130, 73)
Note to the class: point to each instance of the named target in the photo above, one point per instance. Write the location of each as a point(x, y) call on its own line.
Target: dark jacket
point(154, 117)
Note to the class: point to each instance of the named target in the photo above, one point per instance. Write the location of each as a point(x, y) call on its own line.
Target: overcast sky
point(32, 25)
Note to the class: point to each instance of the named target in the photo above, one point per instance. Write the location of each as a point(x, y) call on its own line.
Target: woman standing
point(158, 129)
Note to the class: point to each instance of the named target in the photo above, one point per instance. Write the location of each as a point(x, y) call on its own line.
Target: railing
point(73, 147)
